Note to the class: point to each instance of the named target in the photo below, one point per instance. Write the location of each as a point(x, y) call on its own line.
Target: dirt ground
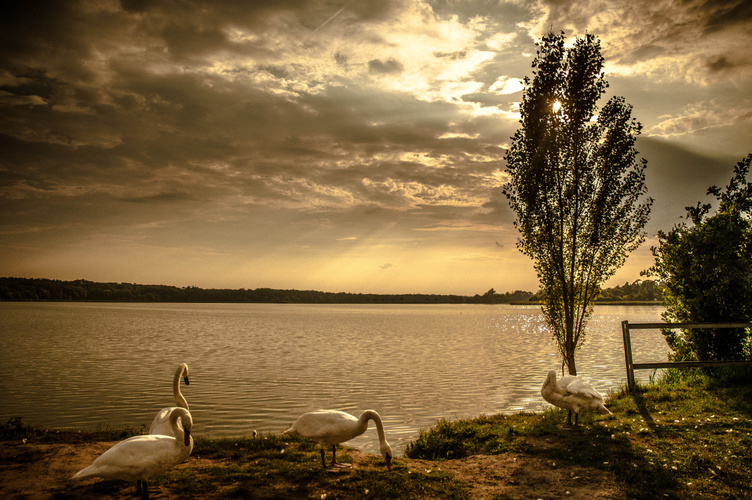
point(43, 471)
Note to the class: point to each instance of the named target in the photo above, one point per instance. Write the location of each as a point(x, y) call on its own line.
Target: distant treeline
point(641, 291)
point(25, 289)
point(33, 289)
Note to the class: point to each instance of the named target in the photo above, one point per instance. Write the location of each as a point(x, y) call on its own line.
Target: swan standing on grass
point(161, 423)
point(139, 457)
point(573, 394)
point(331, 427)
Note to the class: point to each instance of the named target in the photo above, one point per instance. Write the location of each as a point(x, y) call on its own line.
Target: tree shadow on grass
point(738, 395)
point(599, 447)
point(604, 446)
point(110, 488)
point(642, 408)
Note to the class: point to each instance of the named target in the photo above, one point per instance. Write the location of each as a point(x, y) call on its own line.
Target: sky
point(334, 145)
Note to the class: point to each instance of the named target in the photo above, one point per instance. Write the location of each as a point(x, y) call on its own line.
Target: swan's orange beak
point(187, 438)
point(388, 459)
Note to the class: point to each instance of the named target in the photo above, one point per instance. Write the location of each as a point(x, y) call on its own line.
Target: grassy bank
point(685, 439)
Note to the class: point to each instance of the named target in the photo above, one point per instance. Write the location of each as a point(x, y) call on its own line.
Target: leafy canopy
point(705, 271)
point(575, 184)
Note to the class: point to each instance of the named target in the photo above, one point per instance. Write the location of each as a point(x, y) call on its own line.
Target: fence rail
point(627, 327)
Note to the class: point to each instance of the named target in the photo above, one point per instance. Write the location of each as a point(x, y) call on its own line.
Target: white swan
point(161, 423)
point(139, 457)
point(563, 382)
point(573, 394)
point(331, 427)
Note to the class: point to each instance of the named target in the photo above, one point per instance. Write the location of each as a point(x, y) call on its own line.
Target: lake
point(259, 366)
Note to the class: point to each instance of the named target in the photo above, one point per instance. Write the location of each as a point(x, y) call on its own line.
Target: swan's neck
point(179, 399)
point(177, 431)
point(372, 415)
point(554, 384)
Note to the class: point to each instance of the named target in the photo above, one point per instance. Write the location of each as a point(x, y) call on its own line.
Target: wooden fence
point(627, 327)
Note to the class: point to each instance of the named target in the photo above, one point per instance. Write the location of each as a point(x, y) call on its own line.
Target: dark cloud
point(720, 15)
point(35, 28)
point(194, 41)
point(172, 196)
point(677, 177)
point(390, 66)
point(452, 56)
point(723, 63)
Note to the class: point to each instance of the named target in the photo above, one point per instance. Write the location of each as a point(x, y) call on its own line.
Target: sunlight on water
point(259, 366)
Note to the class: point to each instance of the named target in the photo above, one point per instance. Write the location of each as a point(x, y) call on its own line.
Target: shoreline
point(665, 442)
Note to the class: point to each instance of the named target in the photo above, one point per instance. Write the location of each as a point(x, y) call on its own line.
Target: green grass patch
point(687, 437)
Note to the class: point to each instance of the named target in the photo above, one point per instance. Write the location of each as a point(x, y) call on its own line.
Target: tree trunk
point(569, 348)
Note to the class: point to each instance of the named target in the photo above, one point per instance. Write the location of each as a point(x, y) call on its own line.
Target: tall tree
point(575, 184)
point(705, 272)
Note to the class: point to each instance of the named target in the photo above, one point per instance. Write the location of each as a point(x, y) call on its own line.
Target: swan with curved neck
point(139, 457)
point(573, 394)
point(161, 422)
point(332, 427)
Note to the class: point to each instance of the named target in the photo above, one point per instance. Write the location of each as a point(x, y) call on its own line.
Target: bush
point(705, 271)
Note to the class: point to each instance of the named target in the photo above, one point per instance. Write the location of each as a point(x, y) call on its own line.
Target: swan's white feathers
point(139, 457)
point(327, 426)
point(332, 427)
point(581, 388)
point(577, 395)
point(572, 384)
point(564, 382)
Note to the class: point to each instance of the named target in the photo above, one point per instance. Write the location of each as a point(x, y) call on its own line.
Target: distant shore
point(14, 289)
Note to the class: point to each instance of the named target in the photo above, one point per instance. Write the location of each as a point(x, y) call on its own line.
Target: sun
point(556, 106)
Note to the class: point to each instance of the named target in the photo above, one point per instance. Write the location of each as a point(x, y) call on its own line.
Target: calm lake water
point(259, 366)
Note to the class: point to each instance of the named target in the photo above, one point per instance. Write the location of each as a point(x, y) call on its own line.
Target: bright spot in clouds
point(506, 85)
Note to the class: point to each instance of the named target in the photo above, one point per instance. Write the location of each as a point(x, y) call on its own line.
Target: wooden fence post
point(628, 354)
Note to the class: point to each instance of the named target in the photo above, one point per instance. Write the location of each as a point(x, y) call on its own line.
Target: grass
point(685, 436)
point(285, 467)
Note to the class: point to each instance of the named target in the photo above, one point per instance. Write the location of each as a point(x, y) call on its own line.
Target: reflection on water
point(259, 366)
